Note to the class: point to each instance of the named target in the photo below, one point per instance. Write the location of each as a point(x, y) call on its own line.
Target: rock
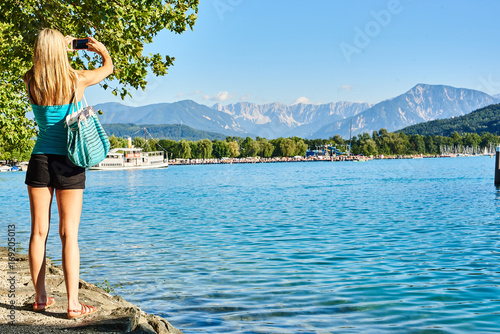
point(115, 315)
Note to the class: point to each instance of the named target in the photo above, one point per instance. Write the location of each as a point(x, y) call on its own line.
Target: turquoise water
point(403, 246)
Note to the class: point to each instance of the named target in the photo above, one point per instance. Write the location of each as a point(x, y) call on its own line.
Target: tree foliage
point(234, 149)
point(123, 26)
point(184, 149)
point(380, 142)
point(205, 148)
point(220, 149)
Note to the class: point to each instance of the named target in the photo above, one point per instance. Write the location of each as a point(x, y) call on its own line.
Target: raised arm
point(88, 78)
point(92, 77)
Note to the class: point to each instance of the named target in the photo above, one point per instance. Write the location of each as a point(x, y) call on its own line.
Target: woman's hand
point(92, 77)
point(96, 46)
point(69, 42)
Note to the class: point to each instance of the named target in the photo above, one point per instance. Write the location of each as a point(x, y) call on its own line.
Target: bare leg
point(69, 202)
point(40, 203)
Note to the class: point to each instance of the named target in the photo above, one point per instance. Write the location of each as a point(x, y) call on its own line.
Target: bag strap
point(75, 103)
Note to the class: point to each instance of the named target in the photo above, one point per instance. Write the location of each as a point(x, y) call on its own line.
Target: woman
point(53, 86)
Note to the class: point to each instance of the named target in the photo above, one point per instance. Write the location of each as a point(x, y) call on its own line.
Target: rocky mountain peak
point(421, 103)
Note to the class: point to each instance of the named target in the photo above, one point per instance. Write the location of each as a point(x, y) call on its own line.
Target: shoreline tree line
point(380, 142)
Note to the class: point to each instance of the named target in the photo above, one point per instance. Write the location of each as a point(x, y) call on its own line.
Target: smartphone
point(80, 44)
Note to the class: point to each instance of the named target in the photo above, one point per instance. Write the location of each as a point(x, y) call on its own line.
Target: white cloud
point(220, 96)
point(223, 96)
point(245, 97)
point(303, 100)
point(180, 94)
point(347, 87)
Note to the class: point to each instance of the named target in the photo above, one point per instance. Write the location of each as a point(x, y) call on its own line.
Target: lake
point(384, 246)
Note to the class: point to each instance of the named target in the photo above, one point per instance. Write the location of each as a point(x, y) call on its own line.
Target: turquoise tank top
point(52, 130)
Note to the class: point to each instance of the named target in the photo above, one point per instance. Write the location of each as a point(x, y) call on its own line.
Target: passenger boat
point(131, 158)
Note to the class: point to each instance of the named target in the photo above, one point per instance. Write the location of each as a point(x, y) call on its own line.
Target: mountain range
point(483, 120)
point(420, 104)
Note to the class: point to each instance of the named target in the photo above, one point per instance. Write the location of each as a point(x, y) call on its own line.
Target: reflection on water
point(406, 246)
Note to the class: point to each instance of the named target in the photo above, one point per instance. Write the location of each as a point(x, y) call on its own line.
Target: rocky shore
point(17, 295)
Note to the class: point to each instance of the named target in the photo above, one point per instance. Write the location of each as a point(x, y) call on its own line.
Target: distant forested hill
point(160, 131)
point(486, 119)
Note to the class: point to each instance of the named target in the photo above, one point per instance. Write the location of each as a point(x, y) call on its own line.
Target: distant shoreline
point(254, 160)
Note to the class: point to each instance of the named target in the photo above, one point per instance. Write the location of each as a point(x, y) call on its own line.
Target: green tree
point(184, 149)
point(489, 138)
point(152, 145)
point(417, 144)
point(369, 147)
point(266, 148)
point(277, 146)
point(338, 140)
point(471, 139)
point(300, 148)
point(376, 137)
point(238, 140)
point(430, 146)
point(205, 148)
point(220, 149)
point(171, 147)
point(139, 142)
point(195, 150)
point(456, 138)
point(15, 154)
point(245, 147)
point(124, 27)
point(114, 141)
point(16, 131)
point(287, 147)
point(234, 149)
point(313, 143)
point(253, 149)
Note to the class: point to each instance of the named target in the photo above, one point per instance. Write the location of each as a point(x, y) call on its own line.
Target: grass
point(109, 288)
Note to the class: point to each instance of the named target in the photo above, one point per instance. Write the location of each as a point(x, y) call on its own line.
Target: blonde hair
point(51, 78)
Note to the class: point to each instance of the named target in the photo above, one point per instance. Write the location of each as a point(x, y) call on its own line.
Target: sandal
point(39, 307)
point(85, 310)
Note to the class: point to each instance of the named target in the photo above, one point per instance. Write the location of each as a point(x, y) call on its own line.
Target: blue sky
point(322, 51)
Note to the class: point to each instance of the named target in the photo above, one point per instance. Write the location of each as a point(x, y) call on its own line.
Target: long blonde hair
point(52, 78)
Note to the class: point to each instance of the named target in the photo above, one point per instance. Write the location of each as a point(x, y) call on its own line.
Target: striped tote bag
point(87, 141)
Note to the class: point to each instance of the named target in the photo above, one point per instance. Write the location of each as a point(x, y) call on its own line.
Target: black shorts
point(52, 170)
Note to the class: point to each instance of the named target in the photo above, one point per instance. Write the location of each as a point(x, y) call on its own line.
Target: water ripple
point(378, 247)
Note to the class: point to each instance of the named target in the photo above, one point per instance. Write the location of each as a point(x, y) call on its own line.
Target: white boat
point(131, 158)
point(5, 168)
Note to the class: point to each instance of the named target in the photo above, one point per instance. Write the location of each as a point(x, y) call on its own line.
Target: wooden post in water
point(497, 167)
